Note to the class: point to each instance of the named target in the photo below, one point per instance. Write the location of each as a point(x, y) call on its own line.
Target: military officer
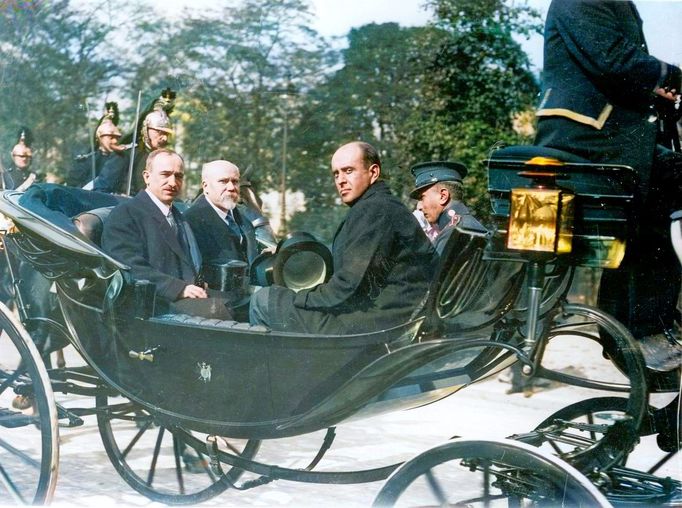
point(18, 175)
point(155, 132)
point(107, 136)
point(438, 189)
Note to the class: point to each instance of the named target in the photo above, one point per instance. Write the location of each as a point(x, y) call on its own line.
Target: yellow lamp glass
point(540, 220)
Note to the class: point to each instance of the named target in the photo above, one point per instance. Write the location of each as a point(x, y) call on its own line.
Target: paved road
point(88, 479)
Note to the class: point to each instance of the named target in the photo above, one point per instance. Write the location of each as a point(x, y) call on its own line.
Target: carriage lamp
point(541, 217)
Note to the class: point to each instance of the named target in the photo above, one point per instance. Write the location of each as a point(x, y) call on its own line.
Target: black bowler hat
point(428, 173)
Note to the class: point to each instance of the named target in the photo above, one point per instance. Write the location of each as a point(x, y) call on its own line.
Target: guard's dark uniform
point(114, 175)
point(13, 177)
point(456, 215)
point(80, 173)
point(383, 266)
point(598, 89)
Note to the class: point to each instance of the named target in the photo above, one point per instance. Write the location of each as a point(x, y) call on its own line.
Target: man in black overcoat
point(599, 86)
point(149, 234)
point(219, 224)
point(383, 262)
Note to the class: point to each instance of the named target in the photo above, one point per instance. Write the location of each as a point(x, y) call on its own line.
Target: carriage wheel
point(29, 445)
point(582, 424)
point(609, 442)
point(161, 463)
point(487, 473)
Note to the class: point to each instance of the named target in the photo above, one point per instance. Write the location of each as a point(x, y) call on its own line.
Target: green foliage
point(256, 85)
point(239, 73)
point(52, 58)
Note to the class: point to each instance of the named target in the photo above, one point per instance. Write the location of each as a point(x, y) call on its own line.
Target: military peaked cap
point(428, 173)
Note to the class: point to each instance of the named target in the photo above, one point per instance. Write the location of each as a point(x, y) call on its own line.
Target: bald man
point(383, 262)
point(220, 225)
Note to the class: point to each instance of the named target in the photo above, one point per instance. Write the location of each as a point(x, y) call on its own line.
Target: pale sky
point(662, 20)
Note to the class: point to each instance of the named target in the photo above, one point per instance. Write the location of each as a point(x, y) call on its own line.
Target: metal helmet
point(157, 120)
point(107, 128)
point(22, 150)
point(108, 122)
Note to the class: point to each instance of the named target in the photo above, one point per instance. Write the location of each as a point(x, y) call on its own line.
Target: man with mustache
point(149, 234)
point(219, 223)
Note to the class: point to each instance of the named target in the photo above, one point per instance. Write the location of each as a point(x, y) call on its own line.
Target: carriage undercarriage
point(576, 456)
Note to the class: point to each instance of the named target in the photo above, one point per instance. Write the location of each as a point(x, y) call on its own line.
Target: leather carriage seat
point(527, 152)
point(91, 223)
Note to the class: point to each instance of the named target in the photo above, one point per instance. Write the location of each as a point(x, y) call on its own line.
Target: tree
point(238, 73)
point(477, 79)
point(51, 62)
point(367, 99)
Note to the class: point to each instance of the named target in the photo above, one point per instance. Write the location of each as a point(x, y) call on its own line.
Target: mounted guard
point(104, 146)
point(122, 174)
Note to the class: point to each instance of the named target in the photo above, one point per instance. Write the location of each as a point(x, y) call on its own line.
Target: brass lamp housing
point(541, 217)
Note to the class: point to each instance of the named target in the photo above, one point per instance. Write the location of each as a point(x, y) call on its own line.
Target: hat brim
point(417, 190)
point(161, 129)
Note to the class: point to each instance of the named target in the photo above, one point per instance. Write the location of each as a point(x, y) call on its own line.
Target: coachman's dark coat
point(383, 266)
point(597, 102)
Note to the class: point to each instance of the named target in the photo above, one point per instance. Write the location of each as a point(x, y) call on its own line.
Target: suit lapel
point(169, 237)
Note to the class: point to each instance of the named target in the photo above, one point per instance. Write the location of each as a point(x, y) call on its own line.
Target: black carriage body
point(231, 379)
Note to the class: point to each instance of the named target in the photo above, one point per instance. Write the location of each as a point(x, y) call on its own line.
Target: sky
point(662, 19)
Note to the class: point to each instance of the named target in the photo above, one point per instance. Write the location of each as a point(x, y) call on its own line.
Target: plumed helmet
point(107, 128)
point(157, 120)
point(24, 141)
point(22, 149)
point(108, 122)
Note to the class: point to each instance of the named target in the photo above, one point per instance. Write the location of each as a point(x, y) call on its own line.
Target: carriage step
point(14, 419)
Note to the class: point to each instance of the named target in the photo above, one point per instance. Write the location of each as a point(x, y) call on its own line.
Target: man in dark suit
point(438, 188)
point(599, 86)
point(219, 224)
point(149, 234)
point(383, 262)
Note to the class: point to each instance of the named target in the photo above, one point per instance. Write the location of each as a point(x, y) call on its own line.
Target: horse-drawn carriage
point(212, 390)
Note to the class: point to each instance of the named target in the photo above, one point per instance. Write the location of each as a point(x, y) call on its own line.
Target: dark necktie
point(232, 223)
point(178, 232)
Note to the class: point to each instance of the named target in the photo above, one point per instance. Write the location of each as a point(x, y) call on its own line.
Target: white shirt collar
point(165, 209)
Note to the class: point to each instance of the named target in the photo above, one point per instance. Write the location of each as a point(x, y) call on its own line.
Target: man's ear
point(375, 173)
point(444, 196)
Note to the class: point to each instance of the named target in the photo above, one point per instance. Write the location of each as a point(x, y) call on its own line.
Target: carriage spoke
point(136, 438)
point(178, 467)
point(486, 483)
point(11, 488)
point(436, 489)
point(18, 453)
point(155, 456)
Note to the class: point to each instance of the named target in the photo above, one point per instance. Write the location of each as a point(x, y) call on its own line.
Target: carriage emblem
point(204, 371)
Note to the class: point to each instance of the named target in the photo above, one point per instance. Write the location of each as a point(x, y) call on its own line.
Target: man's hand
point(192, 291)
point(670, 94)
